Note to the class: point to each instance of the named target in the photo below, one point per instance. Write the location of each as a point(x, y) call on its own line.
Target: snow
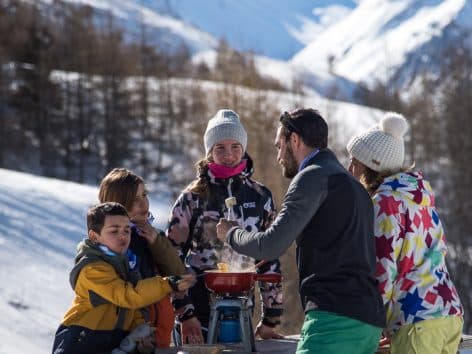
point(132, 14)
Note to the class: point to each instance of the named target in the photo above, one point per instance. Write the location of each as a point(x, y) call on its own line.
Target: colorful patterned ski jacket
point(199, 247)
point(411, 249)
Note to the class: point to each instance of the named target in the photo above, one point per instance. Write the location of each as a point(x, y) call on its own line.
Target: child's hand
point(182, 283)
point(141, 336)
point(187, 281)
point(146, 344)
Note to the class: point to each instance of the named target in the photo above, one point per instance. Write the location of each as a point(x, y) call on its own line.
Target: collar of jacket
point(321, 155)
point(88, 252)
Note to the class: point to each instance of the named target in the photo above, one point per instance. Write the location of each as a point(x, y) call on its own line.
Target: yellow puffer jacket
point(101, 295)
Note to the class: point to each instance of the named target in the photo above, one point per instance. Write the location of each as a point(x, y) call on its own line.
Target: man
point(329, 215)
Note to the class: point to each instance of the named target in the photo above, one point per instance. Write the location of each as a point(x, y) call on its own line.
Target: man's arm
point(305, 195)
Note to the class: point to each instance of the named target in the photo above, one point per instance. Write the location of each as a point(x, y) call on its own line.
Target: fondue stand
point(231, 301)
point(231, 306)
point(231, 321)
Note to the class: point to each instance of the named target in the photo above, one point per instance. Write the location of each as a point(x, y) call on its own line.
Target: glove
point(128, 344)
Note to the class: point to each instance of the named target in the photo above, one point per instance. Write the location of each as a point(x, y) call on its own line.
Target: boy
point(108, 293)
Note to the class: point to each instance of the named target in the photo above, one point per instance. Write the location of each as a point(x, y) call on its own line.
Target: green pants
point(327, 333)
point(436, 336)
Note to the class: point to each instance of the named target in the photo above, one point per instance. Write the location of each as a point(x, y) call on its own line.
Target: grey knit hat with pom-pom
point(382, 147)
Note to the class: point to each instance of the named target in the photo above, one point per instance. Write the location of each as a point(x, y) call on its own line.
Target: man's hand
point(191, 330)
point(223, 227)
point(266, 332)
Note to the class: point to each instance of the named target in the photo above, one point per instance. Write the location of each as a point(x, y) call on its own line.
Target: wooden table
point(273, 346)
point(282, 346)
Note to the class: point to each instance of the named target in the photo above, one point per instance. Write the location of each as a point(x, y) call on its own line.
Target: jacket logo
point(249, 205)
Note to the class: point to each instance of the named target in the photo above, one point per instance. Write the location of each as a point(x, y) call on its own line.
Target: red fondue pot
point(236, 282)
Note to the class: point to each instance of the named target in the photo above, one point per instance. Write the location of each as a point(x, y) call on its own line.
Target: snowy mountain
point(155, 15)
point(276, 29)
point(274, 32)
point(386, 39)
point(325, 43)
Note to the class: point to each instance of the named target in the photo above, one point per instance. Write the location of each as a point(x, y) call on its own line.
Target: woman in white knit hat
point(224, 172)
point(424, 313)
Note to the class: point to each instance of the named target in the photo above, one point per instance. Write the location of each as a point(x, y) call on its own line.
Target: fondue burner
point(231, 304)
point(231, 321)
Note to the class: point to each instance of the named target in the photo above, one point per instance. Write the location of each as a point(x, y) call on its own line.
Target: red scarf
point(222, 171)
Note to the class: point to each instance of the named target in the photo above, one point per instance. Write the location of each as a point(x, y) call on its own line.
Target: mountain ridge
point(340, 42)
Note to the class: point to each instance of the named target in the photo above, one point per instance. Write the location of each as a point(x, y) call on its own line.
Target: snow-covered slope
point(156, 16)
point(383, 38)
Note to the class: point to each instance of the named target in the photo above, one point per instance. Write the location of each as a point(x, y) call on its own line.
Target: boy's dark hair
point(97, 214)
point(308, 124)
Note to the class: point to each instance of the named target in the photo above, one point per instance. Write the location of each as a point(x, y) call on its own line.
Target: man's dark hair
point(308, 124)
point(97, 214)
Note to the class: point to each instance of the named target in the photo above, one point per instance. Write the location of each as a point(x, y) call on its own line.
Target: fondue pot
point(236, 282)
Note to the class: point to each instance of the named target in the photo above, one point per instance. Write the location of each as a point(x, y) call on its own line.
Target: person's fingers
point(184, 284)
point(196, 338)
point(278, 335)
point(192, 339)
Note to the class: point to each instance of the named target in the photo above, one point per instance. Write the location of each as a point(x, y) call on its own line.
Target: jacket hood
point(411, 185)
point(88, 252)
point(85, 247)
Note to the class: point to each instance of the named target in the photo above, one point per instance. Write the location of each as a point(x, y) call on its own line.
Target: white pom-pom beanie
point(224, 125)
point(382, 147)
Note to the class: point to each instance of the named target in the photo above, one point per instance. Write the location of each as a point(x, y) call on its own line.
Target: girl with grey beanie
point(225, 172)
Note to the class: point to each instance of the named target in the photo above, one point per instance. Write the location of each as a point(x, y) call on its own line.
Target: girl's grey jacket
point(330, 216)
